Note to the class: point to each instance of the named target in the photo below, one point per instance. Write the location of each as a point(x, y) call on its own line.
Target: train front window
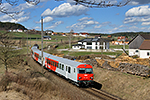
point(85, 70)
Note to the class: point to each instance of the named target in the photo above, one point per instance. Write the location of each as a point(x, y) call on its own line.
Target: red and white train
point(77, 72)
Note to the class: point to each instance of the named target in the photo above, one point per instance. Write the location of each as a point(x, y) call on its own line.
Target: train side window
point(56, 64)
point(47, 61)
point(53, 63)
point(62, 66)
point(69, 69)
point(74, 70)
point(40, 57)
point(66, 68)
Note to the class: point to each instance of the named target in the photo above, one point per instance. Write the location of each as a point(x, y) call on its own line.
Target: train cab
point(85, 74)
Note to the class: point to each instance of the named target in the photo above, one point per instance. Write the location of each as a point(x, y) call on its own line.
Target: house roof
point(46, 37)
point(84, 33)
point(146, 36)
point(121, 37)
point(94, 40)
point(78, 45)
point(145, 45)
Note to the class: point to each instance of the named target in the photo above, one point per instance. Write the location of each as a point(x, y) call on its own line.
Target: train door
point(66, 71)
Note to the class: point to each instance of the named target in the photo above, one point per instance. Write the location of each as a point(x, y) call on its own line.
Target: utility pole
point(42, 42)
point(70, 37)
point(27, 43)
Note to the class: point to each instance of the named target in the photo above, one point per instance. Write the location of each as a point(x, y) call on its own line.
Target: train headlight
point(91, 78)
point(80, 77)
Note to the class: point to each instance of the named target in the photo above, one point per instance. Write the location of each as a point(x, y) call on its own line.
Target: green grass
point(118, 46)
point(88, 53)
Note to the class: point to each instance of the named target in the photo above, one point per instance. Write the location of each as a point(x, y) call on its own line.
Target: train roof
point(59, 59)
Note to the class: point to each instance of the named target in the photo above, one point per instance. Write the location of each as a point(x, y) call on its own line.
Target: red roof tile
point(145, 45)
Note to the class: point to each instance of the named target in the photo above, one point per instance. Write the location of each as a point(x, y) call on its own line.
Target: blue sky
point(62, 16)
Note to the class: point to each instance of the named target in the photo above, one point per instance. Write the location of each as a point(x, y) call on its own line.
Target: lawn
point(88, 53)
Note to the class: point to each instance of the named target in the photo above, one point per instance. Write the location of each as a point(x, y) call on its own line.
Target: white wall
point(144, 53)
point(133, 52)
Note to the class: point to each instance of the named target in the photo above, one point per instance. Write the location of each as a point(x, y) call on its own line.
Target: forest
point(11, 26)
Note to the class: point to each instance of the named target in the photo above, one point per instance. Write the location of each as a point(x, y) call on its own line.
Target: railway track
point(102, 95)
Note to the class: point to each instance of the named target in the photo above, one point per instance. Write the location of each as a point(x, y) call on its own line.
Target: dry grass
point(27, 82)
point(128, 87)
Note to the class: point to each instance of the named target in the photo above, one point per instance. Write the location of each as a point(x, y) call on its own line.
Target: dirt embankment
point(125, 86)
point(26, 82)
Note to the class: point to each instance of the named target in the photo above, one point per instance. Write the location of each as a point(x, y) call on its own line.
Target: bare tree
point(101, 3)
point(7, 50)
point(11, 13)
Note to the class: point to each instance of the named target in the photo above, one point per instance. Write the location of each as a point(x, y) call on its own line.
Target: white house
point(92, 43)
point(46, 37)
point(140, 45)
point(19, 30)
point(75, 34)
point(84, 34)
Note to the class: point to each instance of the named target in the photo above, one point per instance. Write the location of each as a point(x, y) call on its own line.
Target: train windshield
point(85, 70)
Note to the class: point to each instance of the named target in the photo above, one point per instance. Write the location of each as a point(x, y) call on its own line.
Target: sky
point(64, 15)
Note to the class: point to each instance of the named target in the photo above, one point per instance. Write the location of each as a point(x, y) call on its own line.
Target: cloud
point(47, 19)
point(102, 24)
point(37, 27)
point(138, 11)
point(145, 23)
point(83, 24)
point(85, 18)
point(21, 17)
point(66, 10)
point(54, 25)
point(138, 14)
point(139, 2)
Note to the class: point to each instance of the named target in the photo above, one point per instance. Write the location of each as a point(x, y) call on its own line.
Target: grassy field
point(63, 41)
point(89, 53)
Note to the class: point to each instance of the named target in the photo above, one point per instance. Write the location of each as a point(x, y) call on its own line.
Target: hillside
point(11, 26)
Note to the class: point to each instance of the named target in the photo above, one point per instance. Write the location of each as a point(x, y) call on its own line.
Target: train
point(81, 74)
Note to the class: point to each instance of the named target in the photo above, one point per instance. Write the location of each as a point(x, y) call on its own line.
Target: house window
point(89, 43)
point(89, 47)
point(95, 43)
point(96, 47)
point(136, 51)
point(148, 54)
point(101, 43)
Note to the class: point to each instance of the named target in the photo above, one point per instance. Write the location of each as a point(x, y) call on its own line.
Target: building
point(144, 49)
point(92, 43)
point(121, 40)
point(75, 34)
point(63, 34)
point(84, 34)
point(46, 37)
point(53, 33)
point(140, 45)
point(97, 36)
point(49, 32)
